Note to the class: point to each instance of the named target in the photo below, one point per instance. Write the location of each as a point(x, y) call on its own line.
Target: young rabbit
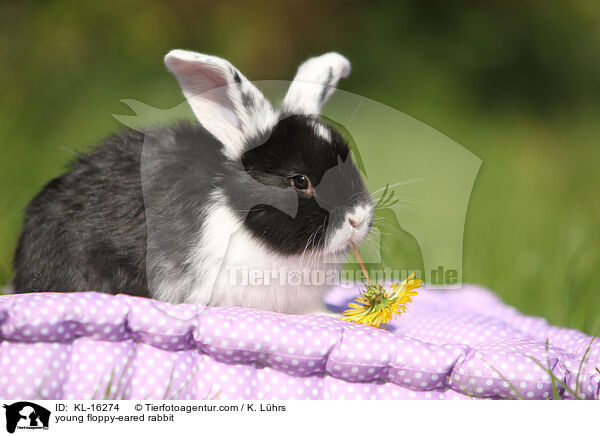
point(169, 214)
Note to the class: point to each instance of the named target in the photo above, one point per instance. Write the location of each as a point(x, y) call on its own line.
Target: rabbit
point(169, 214)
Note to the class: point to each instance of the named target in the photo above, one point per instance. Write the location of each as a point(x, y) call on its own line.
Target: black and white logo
point(26, 415)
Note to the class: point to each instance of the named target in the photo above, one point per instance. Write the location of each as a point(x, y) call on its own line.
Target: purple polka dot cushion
point(456, 344)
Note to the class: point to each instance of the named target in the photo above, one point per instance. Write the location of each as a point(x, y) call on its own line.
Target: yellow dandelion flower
point(375, 305)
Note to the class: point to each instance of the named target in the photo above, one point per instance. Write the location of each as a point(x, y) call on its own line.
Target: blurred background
point(516, 83)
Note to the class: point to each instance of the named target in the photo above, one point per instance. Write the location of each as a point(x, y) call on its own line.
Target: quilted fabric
point(452, 344)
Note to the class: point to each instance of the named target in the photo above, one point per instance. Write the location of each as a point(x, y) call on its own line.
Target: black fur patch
point(294, 148)
point(86, 230)
point(247, 100)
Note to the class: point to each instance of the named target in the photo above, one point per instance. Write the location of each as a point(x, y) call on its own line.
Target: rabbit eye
point(300, 182)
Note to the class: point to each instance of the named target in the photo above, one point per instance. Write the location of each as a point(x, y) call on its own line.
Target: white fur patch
point(315, 81)
point(346, 233)
point(223, 100)
point(322, 130)
point(233, 110)
point(225, 248)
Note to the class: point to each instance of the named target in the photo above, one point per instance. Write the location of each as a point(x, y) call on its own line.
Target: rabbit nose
point(357, 217)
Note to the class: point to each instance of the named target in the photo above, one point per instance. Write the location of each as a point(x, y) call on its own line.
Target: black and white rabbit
point(168, 214)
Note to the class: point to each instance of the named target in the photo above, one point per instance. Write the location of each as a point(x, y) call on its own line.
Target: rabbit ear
point(223, 100)
point(315, 81)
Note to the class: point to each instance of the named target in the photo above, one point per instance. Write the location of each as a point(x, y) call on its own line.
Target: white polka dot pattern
point(452, 344)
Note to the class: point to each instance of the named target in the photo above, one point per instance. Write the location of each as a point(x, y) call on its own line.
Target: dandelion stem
point(362, 264)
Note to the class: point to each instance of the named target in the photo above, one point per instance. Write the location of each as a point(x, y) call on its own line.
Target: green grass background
point(516, 83)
